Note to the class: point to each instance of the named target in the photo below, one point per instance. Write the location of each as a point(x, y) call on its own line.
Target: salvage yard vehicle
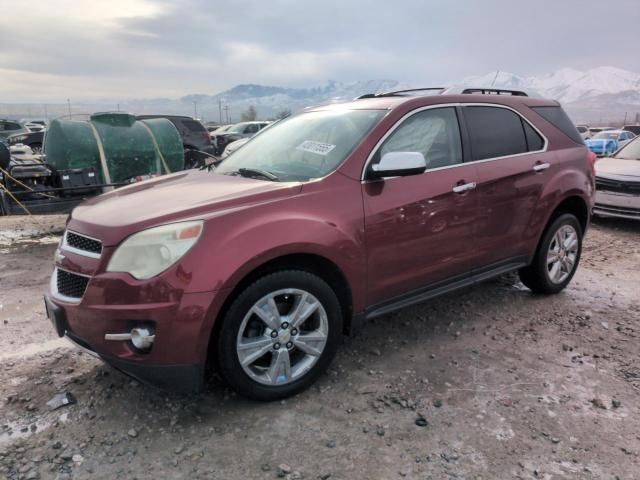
point(11, 127)
point(85, 158)
point(236, 132)
point(338, 214)
point(33, 140)
point(618, 183)
point(608, 141)
point(635, 129)
point(584, 132)
point(195, 138)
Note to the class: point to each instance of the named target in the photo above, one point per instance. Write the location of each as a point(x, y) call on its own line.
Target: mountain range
point(599, 94)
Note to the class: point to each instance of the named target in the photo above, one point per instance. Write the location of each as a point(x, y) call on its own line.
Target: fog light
point(142, 338)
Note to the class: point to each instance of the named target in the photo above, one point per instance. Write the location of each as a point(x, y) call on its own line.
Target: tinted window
point(252, 128)
point(12, 126)
point(434, 133)
point(558, 117)
point(534, 140)
point(495, 132)
point(194, 126)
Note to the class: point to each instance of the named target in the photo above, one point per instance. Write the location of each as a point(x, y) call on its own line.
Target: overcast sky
point(54, 49)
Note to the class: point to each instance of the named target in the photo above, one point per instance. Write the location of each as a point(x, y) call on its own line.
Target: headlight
point(150, 252)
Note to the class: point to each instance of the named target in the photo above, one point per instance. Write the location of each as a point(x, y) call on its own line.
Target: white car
point(618, 183)
point(584, 132)
point(233, 146)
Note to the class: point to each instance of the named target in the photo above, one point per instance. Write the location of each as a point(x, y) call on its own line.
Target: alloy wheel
point(562, 254)
point(282, 337)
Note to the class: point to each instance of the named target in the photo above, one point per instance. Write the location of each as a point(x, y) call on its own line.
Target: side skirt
point(423, 294)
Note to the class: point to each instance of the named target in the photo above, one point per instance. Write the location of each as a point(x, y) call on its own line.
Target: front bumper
point(176, 360)
point(619, 205)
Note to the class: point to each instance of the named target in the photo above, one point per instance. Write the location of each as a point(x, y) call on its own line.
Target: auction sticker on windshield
point(315, 147)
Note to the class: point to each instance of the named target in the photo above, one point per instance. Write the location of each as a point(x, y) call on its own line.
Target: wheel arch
point(575, 205)
point(313, 263)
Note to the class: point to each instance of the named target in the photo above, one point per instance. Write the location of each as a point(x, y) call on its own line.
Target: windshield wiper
point(252, 172)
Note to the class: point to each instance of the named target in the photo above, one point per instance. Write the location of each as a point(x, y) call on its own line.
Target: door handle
point(465, 187)
point(539, 167)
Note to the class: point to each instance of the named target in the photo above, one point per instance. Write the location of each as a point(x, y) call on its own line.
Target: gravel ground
point(491, 382)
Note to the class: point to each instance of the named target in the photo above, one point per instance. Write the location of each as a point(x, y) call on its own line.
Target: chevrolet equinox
point(335, 215)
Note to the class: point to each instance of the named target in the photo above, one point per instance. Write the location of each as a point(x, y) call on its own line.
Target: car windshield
point(582, 129)
point(607, 135)
point(237, 128)
point(631, 151)
point(303, 147)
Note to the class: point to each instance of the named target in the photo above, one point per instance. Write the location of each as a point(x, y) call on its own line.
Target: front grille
point(70, 284)
point(83, 243)
point(616, 211)
point(617, 186)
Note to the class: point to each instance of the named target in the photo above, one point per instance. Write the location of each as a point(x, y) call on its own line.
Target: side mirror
point(399, 164)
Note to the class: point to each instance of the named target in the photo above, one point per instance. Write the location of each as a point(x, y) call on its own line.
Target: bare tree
point(249, 115)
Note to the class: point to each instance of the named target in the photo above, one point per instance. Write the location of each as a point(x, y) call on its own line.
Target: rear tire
point(279, 335)
point(557, 257)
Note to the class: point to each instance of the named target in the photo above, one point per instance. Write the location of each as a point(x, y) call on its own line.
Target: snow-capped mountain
point(566, 85)
point(601, 94)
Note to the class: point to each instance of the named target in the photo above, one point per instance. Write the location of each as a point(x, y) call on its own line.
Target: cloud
point(147, 48)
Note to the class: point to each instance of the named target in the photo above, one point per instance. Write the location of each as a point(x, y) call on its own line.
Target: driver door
point(419, 228)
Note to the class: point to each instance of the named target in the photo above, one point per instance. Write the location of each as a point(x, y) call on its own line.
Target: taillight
point(206, 136)
point(592, 161)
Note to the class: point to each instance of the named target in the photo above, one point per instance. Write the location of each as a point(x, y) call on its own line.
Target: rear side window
point(558, 117)
point(495, 132)
point(194, 126)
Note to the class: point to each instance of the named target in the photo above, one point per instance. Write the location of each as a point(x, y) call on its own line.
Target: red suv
point(341, 213)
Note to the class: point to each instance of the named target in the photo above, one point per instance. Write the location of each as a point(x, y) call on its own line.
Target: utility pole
point(220, 108)
point(625, 118)
point(226, 110)
point(195, 109)
point(69, 106)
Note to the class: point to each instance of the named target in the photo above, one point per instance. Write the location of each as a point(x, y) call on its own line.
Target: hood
point(175, 197)
point(615, 167)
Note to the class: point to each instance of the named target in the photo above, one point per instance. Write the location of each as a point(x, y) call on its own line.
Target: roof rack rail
point(450, 91)
point(399, 92)
point(495, 91)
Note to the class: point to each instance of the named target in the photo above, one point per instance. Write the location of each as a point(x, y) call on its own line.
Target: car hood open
point(180, 196)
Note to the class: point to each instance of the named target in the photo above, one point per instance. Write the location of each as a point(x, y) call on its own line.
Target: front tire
point(557, 257)
point(279, 335)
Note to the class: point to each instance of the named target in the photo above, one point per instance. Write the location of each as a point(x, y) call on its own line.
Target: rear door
point(418, 229)
point(513, 165)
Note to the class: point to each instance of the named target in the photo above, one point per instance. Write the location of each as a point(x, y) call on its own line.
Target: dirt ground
point(511, 385)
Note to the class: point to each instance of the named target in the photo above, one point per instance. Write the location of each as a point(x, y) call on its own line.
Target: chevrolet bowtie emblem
point(58, 256)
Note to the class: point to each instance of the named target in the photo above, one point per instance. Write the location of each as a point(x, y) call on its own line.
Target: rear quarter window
point(194, 126)
point(559, 119)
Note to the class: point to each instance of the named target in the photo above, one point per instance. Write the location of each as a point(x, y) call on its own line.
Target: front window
point(303, 147)
point(631, 151)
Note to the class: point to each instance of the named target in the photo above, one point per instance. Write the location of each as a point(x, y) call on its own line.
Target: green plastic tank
point(116, 144)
